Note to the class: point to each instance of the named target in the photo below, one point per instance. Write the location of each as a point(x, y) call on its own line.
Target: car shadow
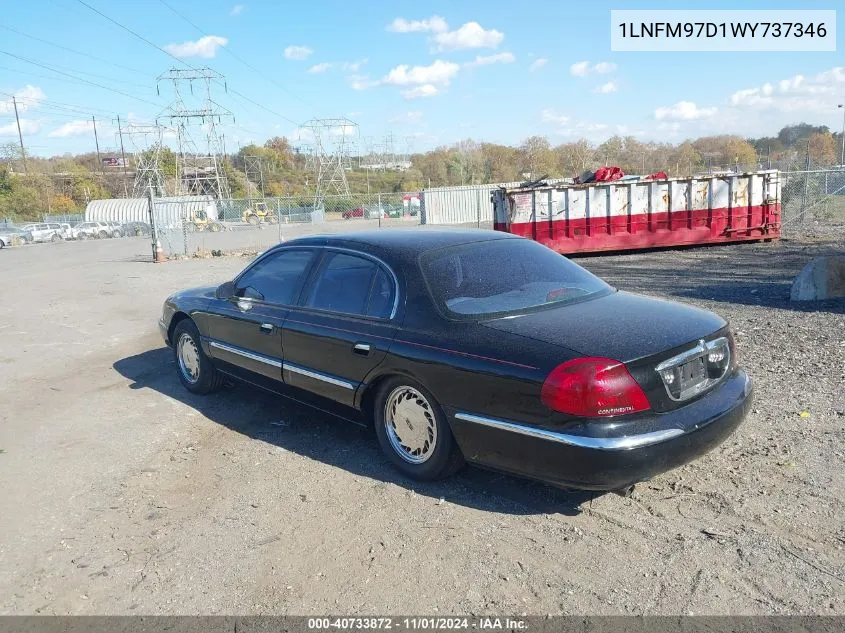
point(275, 420)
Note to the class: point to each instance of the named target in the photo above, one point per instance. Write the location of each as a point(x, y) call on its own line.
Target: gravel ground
point(124, 494)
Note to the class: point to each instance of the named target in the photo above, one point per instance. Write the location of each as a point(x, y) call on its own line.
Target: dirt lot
point(122, 493)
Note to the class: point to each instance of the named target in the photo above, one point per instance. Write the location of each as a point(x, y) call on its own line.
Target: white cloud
point(237, 9)
point(484, 60)
point(434, 24)
point(414, 116)
point(205, 47)
point(298, 53)
point(602, 68)
point(426, 90)
point(28, 126)
point(814, 94)
point(672, 128)
point(607, 88)
point(469, 35)
point(361, 82)
point(27, 97)
point(550, 116)
point(537, 64)
point(584, 69)
point(624, 130)
point(354, 66)
point(567, 127)
point(684, 111)
point(320, 68)
point(74, 128)
point(437, 73)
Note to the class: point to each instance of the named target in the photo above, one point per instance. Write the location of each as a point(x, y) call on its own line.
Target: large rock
point(822, 278)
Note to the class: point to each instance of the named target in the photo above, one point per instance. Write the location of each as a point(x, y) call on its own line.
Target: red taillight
point(593, 387)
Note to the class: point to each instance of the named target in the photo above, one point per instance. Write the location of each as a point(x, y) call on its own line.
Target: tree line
point(65, 184)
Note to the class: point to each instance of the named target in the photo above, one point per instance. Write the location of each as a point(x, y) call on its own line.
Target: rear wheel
point(102, 235)
point(196, 372)
point(55, 238)
point(413, 432)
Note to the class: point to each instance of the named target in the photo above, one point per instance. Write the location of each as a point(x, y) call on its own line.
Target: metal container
point(637, 214)
point(169, 211)
point(469, 204)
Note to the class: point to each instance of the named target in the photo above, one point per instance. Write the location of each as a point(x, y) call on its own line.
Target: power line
point(71, 50)
point(242, 60)
point(55, 105)
point(52, 66)
point(263, 107)
point(128, 30)
point(80, 79)
point(58, 104)
point(184, 63)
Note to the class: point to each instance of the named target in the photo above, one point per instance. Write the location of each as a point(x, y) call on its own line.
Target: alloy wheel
point(189, 358)
point(410, 425)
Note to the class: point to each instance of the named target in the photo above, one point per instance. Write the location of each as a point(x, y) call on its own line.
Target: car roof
point(403, 240)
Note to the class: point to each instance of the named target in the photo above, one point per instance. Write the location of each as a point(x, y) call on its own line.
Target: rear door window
point(349, 284)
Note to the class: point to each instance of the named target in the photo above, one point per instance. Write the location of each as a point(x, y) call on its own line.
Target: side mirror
point(225, 290)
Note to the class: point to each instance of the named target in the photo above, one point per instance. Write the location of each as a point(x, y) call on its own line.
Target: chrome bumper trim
point(595, 443)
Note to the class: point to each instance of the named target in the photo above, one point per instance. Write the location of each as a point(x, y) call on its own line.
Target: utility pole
point(97, 145)
point(841, 156)
point(20, 136)
point(123, 158)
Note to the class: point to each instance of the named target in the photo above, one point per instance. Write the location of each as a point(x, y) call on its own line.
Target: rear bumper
point(590, 456)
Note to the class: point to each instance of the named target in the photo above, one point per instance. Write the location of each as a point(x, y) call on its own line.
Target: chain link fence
point(813, 202)
point(191, 227)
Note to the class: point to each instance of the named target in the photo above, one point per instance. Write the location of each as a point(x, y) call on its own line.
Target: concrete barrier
point(822, 278)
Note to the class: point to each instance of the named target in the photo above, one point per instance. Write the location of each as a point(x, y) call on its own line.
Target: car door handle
point(266, 328)
point(362, 348)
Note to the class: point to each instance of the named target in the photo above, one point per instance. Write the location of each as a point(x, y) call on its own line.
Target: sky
point(429, 73)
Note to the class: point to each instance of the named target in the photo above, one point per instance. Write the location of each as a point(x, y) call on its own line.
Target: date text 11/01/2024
point(417, 623)
point(721, 29)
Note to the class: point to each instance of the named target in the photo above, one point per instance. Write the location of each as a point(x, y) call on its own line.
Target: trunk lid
point(640, 331)
point(620, 325)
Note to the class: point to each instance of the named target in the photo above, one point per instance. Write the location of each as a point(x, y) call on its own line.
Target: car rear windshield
point(504, 277)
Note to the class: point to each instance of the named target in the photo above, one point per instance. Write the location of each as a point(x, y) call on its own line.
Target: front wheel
point(413, 432)
point(55, 238)
point(196, 372)
point(102, 235)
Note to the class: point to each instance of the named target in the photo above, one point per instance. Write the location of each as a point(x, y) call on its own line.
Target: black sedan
point(470, 346)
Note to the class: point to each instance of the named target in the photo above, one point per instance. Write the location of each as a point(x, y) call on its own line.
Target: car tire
point(2, 244)
point(102, 235)
point(426, 452)
point(55, 238)
point(196, 371)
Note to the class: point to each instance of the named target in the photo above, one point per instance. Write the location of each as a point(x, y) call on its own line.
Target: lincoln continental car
point(470, 346)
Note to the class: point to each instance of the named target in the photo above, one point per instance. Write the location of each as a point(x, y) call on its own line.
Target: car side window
point(352, 285)
point(382, 294)
point(277, 278)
